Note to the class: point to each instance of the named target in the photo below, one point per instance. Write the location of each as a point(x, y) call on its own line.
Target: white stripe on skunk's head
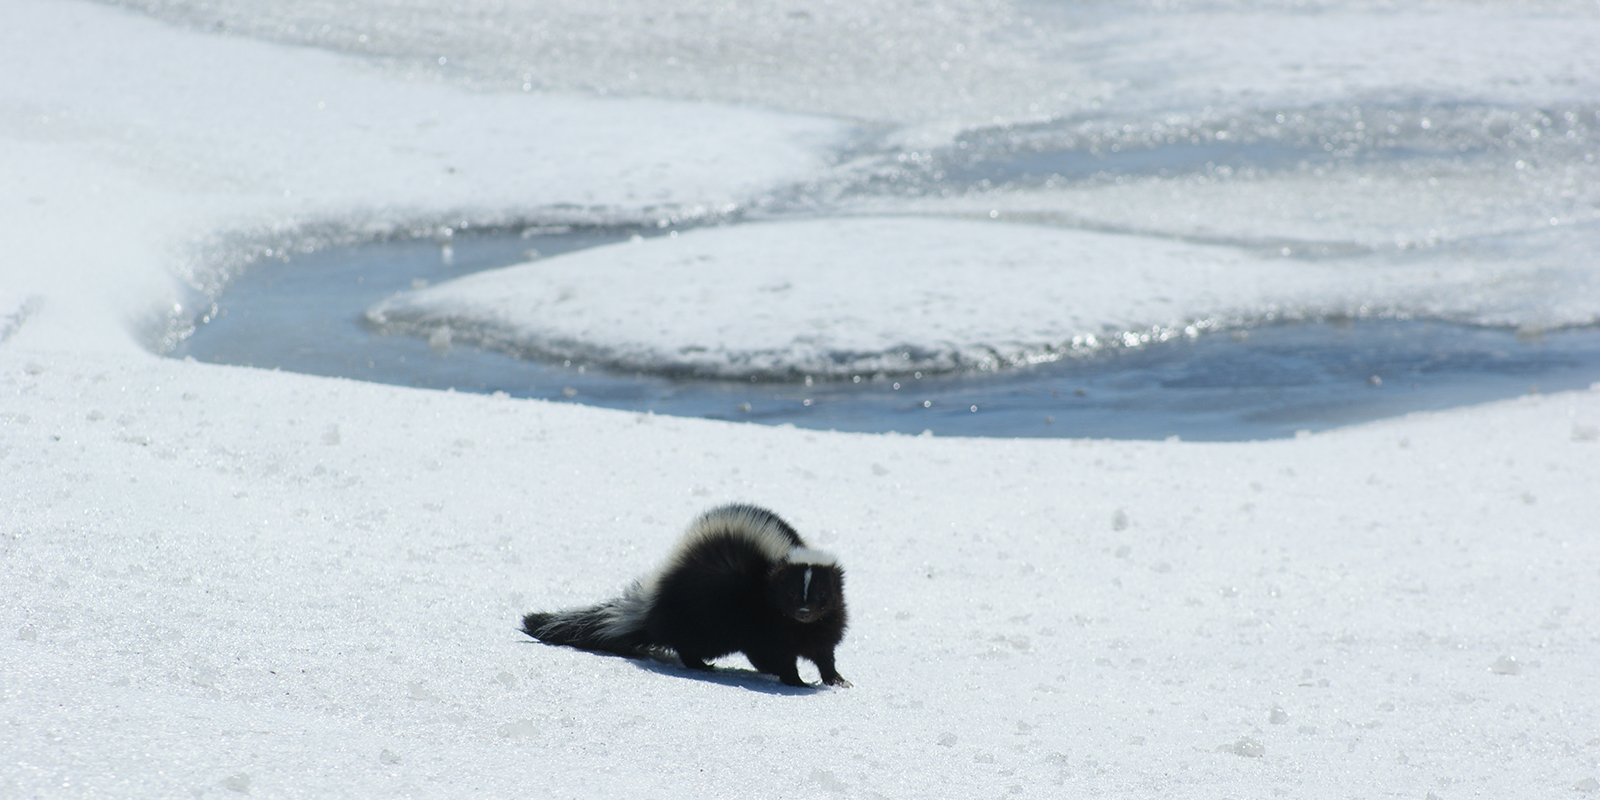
point(805, 555)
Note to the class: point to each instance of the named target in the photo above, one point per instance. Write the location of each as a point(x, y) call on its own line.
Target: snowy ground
point(224, 581)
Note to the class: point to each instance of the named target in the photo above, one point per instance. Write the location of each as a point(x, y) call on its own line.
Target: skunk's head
point(807, 590)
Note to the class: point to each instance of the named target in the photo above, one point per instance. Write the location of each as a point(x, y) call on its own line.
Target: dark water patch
point(1268, 382)
point(302, 313)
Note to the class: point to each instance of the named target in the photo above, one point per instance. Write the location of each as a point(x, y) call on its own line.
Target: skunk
point(741, 580)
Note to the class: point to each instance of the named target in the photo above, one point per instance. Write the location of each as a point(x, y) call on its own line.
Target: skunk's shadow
point(668, 664)
point(663, 664)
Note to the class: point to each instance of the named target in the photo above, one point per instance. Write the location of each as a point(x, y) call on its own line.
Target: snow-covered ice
point(784, 299)
point(223, 581)
point(789, 299)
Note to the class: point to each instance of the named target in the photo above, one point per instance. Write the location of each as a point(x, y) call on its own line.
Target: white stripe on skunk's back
point(762, 528)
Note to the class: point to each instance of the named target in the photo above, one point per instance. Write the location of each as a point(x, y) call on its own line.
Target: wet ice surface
point(1269, 381)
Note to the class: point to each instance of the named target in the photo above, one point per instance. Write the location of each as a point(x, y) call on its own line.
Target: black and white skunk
point(740, 581)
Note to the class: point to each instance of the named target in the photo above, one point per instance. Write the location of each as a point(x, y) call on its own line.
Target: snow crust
point(225, 582)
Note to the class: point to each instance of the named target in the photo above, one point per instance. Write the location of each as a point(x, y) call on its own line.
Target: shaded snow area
point(224, 582)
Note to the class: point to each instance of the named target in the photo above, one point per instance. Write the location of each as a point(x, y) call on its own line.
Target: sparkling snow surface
point(223, 581)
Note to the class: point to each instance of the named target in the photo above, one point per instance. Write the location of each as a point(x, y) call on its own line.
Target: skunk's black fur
point(740, 581)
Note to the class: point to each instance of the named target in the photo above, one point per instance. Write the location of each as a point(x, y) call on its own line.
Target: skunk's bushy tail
point(615, 626)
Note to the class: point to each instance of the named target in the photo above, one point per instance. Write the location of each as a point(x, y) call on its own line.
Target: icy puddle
point(304, 315)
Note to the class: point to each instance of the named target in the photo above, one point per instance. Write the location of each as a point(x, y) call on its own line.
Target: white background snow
point(222, 581)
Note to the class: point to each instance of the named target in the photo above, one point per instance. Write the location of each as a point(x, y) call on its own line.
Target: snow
point(797, 298)
point(216, 586)
point(803, 298)
point(223, 581)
